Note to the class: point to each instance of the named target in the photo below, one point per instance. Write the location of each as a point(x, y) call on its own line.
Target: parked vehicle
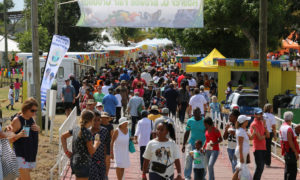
point(68, 66)
point(295, 103)
point(245, 101)
point(282, 100)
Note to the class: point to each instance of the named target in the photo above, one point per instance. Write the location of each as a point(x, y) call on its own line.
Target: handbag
point(159, 167)
point(131, 144)
point(9, 161)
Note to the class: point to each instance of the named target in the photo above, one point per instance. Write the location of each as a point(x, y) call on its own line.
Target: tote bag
point(9, 161)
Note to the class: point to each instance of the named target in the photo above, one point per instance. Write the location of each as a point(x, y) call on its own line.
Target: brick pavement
point(222, 169)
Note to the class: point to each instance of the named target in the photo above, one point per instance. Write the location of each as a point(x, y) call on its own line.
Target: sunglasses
point(33, 110)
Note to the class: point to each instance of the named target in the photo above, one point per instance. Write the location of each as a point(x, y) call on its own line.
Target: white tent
point(155, 42)
point(11, 45)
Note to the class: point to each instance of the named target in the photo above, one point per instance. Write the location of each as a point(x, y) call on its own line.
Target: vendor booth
point(118, 55)
point(246, 72)
point(188, 60)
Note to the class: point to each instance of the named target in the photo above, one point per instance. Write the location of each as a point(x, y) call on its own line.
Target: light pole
point(5, 59)
point(263, 31)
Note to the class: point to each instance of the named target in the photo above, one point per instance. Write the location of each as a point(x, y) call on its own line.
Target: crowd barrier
point(62, 160)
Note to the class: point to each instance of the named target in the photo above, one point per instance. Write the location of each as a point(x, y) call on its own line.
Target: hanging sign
point(141, 13)
point(59, 47)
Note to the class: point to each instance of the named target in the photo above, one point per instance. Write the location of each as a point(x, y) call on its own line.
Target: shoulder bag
point(9, 161)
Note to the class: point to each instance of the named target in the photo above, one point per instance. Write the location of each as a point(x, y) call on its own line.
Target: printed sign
point(141, 13)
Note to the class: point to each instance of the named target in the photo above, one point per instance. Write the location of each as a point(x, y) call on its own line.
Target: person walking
point(259, 142)
point(161, 153)
point(82, 146)
point(135, 103)
point(197, 101)
point(154, 113)
point(143, 134)
point(171, 96)
point(110, 103)
point(164, 117)
point(68, 97)
point(11, 97)
point(198, 161)
point(98, 169)
point(148, 95)
point(183, 101)
point(289, 147)
point(119, 106)
point(26, 138)
point(213, 138)
point(124, 94)
point(215, 107)
point(243, 144)
point(17, 86)
point(195, 127)
point(98, 96)
point(119, 147)
point(230, 136)
point(271, 128)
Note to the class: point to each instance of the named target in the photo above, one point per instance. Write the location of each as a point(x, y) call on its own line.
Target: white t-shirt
point(119, 98)
point(192, 82)
point(246, 146)
point(231, 141)
point(270, 121)
point(147, 77)
point(294, 63)
point(162, 152)
point(105, 90)
point(198, 101)
point(10, 94)
point(143, 131)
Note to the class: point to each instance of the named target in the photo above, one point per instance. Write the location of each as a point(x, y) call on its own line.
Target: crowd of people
point(140, 103)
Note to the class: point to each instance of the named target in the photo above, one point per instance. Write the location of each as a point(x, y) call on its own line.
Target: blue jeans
point(17, 94)
point(232, 158)
point(188, 162)
point(211, 158)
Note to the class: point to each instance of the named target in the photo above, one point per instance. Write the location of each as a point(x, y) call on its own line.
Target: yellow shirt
point(153, 117)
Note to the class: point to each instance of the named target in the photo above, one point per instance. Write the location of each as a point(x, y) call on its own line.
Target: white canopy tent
point(11, 45)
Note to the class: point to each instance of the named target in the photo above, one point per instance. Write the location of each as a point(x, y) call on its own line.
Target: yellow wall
point(288, 81)
point(279, 81)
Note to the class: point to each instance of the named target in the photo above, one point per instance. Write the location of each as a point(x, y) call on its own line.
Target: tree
point(25, 40)
point(68, 15)
point(125, 34)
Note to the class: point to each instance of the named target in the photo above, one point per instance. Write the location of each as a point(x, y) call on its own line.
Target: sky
point(19, 5)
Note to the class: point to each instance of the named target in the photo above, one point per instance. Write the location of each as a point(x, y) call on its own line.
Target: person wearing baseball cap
point(68, 97)
point(243, 146)
point(258, 129)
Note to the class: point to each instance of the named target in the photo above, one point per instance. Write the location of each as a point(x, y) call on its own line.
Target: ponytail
point(170, 129)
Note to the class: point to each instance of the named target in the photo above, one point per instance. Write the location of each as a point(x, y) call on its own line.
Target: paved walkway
point(222, 169)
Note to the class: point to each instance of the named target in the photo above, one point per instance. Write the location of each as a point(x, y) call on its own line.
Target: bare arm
point(145, 166)
point(241, 141)
point(92, 147)
point(292, 145)
point(63, 139)
point(274, 131)
point(178, 166)
point(185, 138)
point(114, 137)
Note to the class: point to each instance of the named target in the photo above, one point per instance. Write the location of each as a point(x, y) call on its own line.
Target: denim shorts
point(22, 164)
point(81, 171)
point(11, 101)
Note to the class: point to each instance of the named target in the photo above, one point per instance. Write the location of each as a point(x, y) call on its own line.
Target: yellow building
point(245, 71)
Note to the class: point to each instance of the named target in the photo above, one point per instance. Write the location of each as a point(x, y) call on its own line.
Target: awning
point(206, 65)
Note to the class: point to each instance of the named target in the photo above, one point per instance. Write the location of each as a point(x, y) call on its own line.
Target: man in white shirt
point(197, 101)
point(143, 133)
point(147, 76)
point(192, 81)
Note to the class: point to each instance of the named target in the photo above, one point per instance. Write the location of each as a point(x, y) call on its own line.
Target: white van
point(68, 66)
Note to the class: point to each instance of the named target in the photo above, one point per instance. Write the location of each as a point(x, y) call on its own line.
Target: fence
point(62, 159)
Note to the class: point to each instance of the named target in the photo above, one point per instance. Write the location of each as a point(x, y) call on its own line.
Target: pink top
point(258, 144)
point(213, 136)
point(17, 85)
point(141, 92)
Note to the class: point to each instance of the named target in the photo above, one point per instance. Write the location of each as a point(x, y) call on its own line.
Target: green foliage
point(68, 15)
point(25, 42)
point(9, 4)
point(125, 34)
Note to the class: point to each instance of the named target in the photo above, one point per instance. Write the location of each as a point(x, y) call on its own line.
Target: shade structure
point(207, 64)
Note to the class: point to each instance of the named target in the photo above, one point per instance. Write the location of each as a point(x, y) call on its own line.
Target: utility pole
point(263, 28)
point(55, 17)
point(5, 60)
point(35, 58)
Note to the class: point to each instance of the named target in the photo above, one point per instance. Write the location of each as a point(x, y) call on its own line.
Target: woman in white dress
point(119, 147)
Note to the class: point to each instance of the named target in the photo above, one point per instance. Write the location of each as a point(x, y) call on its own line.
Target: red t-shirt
point(213, 136)
point(180, 78)
point(141, 92)
point(136, 81)
point(258, 144)
point(17, 85)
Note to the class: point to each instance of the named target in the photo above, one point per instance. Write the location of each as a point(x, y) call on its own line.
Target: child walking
point(198, 164)
point(11, 97)
point(215, 107)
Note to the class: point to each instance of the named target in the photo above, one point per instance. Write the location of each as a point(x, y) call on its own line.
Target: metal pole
point(35, 58)
point(5, 59)
point(263, 27)
point(55, 17)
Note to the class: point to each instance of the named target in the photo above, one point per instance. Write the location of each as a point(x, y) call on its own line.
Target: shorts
point(22, 164)
point(11, 101)
point(81, 171)
point(68, 105)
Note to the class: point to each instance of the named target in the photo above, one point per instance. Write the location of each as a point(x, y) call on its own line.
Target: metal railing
point(62, 160)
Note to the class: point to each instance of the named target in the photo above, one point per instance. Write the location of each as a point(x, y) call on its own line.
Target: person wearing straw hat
point(154, 113)
point(99, 106)
point(90, 105)
point(119, 147)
